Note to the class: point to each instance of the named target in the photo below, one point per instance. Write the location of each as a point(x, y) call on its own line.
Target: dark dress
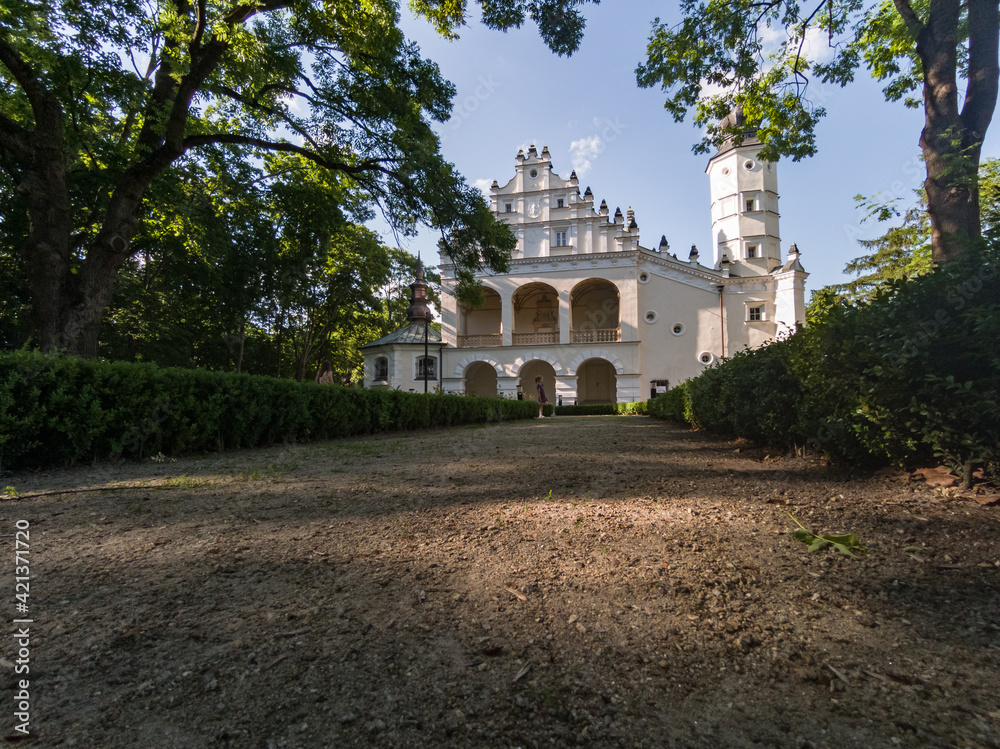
point(541, 393)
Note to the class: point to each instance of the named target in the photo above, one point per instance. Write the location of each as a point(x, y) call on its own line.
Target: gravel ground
point(594, 582)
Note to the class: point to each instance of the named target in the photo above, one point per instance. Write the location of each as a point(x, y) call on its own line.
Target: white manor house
point(600, 317)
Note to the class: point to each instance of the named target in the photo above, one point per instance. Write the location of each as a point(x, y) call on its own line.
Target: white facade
point(604, 319)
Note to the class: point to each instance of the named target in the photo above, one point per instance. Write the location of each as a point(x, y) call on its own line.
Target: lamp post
point(427, 325)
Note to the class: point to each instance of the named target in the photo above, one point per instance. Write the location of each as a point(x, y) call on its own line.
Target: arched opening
point(481, 380)
point(595, 312)
point(596, 382)
point(482, 326)
point(536, 315)
point(527, 375)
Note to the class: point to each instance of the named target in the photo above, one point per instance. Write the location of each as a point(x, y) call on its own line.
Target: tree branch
point(910, 17)
point(46, 108)
point(252, 104)
point(362, 167)
point(984, 70)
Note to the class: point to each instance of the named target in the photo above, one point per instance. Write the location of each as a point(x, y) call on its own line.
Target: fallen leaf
point(516, 593)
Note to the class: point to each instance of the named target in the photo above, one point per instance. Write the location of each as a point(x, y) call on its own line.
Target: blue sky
point(512, 91)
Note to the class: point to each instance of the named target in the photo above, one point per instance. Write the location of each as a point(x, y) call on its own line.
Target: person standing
point(325, 374)
point(542, 400)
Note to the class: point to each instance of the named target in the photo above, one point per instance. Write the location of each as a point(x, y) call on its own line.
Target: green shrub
point(56, 410)
point(674, 405)
point(912, 374)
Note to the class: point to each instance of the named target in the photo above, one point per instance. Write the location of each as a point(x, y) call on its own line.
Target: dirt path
point(595, 582)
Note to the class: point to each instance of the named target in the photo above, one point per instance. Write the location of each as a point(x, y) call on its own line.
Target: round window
point(748, 164)
point(706, 357)
point(644, 277)
point(677, 328)
point(533, 173)
point(650, 317)
point(725, 171)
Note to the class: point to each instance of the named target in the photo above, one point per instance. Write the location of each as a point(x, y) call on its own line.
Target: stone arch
point(595, 311)
point(481, 379)
point(596, 382)
point(473, 358)
point(596, 354)
point(520, 361)
point(535, 314)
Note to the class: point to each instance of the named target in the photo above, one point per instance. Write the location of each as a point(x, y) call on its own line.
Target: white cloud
point(483, 185)
point(584, 151)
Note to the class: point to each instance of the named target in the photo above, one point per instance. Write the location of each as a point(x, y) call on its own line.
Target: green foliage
point(62, 409)
point(847, 544)
point(602, 409)
point(758, 60)
point(134, 129)
point(559, 22)
point(757, 57)
point(911, 374)
point(904, 251)
point(673, 405)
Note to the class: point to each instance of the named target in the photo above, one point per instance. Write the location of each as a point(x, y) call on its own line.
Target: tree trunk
point(952, 139)
point(243, 338)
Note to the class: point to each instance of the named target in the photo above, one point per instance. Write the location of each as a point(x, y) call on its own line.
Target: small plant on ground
point(847, 544)
point(9, 492)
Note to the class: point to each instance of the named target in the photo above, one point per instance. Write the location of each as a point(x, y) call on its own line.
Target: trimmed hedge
point(911, 375)
point(603, 409)
point(57, 409)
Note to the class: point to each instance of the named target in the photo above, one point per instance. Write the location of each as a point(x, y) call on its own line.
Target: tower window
point(750, 204)
point(381, 368)
point(751, 250)
point(755, 313)
point(560, 239)
point(559, 203)
point(508, 207)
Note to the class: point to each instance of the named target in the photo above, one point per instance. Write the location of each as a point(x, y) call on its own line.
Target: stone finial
point(604, 208)
point(520, 154)
point(495, 185)
point(532, 151)
point(572, 176)
point(664, 244)
point(545, 152)
point(618, 215)
point(793, 250)
point(587, 193)
point(693, 255)
point(632, 225)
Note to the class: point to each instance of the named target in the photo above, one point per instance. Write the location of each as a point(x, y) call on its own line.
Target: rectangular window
point(751, 250)
point(381, 368)
point(559, 202)
point(427, 364)
point(755, 314)
point(560, 239)
point(750, 204)
point(508, 207)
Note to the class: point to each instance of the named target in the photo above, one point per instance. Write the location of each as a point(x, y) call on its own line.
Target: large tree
point(939, 46)
point(100, 99)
